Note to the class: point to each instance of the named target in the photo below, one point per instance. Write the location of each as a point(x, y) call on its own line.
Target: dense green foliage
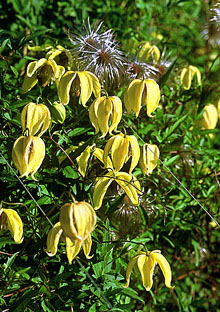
point(168, 217)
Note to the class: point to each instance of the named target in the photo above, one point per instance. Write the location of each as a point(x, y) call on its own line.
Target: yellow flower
point(77, 221)
point(10, 220)
point(209, 118)
point(83, 83)
point(187, 76)
point(35, 117)
point(142, 92)
point(148, 51)
point(60, 55)
point(126, 181)
point(27, 154)
point(121, 147)
point(104, 111)
point(43, 71)
point(146, 263)
point(149, 158)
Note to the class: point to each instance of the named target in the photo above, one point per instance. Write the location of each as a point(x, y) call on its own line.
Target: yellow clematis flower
point(60, 55)
point(149, 51)
point(187, 76)
point(148, 158)
point(83, 83)
point(105, 111)
point(142, 92)
point(43, 71)
point(121, 147)
point(77, 221)
point(146, 263)
point(126, 181)
point(10, 220)
point(27, 154)
point(209, 118)
point(35, 117)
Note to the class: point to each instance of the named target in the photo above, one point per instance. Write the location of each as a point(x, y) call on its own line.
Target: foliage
point(178, 200)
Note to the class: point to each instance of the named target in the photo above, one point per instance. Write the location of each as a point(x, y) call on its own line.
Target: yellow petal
point(34, 66)
point(129, 270)
point(87, 244)
point(196, 71)
point(131, 188)
point(34, 155)
point(116, 113)
point(135, 152)
point(18, 154)
point(104, 112)
point(88, 82)
point(64, 86)
point(152, 97)
point(133, 97)
point(72, 248)
point(210, 117)
point(53, 238)
point(119, 151)
point(85, 218)
point(164, 265)
point(99, 153)
point(186, 78)
point(14, 224)
point(93, 116)
point(68, 223)
point(146, 265)
point(82, 160)
point(100, 190)
point(149, 158)
point(106, 150)
point(29, 83)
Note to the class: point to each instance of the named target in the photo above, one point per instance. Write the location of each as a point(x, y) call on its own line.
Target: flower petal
point(34, 66)
point(135, 151)
point(129, 270)
point(153, 96)
point(104, 112)
point(164, 265)
point(100, 190)
point(29, 83)
point(146, 265)
point(116, 113)
point(72, 248)
point(53, 238)
point(87, 244)
point(64, 86)
point(133, 97)
point(14, 224)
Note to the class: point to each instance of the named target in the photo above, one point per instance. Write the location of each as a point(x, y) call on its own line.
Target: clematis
point(209, 118)
point(187, 75)
point(60, 55)
point(148, 158)
point(58, 112)
point(77, 221)
point(126, 181)
point(10, 220)
point(27, 154)
point(147, 51)
point(142, 92)
point(43, 71)
point(81, 83)
point(35, 117)
point(121, 147)
point(146, 263)
point(104, 111)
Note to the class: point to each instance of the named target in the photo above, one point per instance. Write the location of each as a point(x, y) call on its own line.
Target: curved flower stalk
point(43, 71)
point(209, 118)
point(148, 51)
point(35, 117)
point(105, 111)
point(126, 181)
point(142, 92)
point(187, 75)
point(148, 158)
point(10, 220)
point(80, 82)
point(27, 154)
point(146, 263)
point(89, 151)
point(121, 147)
point(77, 221)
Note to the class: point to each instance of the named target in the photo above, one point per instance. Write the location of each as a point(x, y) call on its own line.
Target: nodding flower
point(10, 220)
point(98, 51)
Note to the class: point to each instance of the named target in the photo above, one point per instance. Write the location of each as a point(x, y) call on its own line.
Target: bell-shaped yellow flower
point(105, 111)
point(121, 147)
point(35, 117)
point(146, 263)
point(148, 158)
point(77, 221)
point(81, 83)
point(126, 181)
point(27, 154)
point(149, 51)
point(187, 76)
point(10, 220)
point(142, 92)
point(209, 118)
point(43, 71)
point(60, 55)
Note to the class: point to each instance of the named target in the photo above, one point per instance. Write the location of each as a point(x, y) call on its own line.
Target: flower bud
point(148, 158)
point(27, 154)
point(149, 51)
point(35, 117)
point(77, 220)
